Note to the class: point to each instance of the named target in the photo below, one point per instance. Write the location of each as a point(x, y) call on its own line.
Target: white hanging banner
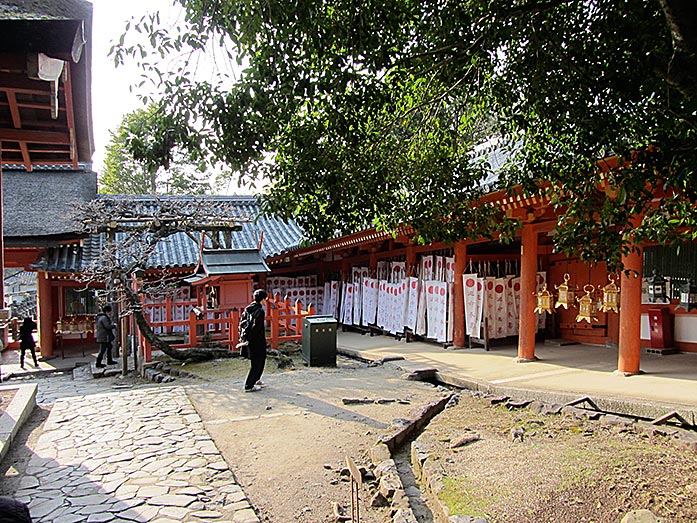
point(383, 270)
point(401, 307)
point(481, 306)
point(412, 305)
point(370, 300)
point(357, 304)
point(347, 316)
point(511, 315)
point(500, 313)
point(333, 298)
point(439, 268)
point(421, 311)
point(450, 270)
point(392, 289)
point(398, 272)
point(426, 268)
point(451, 312)
point(437, 303)
point(382, 304)
point(490, 304)
point(471, 298)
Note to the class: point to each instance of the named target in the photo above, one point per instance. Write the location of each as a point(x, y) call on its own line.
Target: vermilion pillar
point(45, 320)
point(630, 314)
point(458, 295)
point(528, 284)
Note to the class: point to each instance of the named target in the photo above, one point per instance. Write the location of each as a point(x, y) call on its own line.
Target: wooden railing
point(221, 327)
point(285, 319)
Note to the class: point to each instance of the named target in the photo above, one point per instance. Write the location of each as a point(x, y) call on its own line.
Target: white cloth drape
point(370, 300)
point(436, 303)
point(412, 304)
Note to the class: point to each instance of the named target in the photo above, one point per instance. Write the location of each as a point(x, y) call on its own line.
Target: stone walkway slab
point(129, 456)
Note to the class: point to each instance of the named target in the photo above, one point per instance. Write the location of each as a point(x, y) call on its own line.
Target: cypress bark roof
point(37, 206)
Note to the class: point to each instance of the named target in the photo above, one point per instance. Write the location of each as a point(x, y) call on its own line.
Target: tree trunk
point(195, 354)
point(681, 17)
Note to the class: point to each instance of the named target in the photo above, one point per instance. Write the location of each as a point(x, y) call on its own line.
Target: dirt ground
point(288, 443)
point(6, 398)
point(287, 446)
point(564, 470)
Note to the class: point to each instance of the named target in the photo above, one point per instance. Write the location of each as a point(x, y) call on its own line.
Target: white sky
point(111, 98)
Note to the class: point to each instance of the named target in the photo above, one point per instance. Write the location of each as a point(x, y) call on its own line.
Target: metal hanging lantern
point(611, 296)
point(586, 305)
point(565, 297)
point(544, 300)
point(657, 288)
point(688, 296)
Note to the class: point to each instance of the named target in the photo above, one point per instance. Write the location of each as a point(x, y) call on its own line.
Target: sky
point(111, 98)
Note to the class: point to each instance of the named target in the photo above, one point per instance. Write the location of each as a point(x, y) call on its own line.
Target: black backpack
point(245, 326)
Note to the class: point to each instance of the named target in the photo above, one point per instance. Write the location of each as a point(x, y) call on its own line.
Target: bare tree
point(133, 228)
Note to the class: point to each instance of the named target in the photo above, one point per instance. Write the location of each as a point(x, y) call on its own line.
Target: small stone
point(639, 516)
point(464, 440)
point(378, 500)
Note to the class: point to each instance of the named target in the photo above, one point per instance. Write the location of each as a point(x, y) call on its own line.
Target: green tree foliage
point(396, 111)
point(151, 153)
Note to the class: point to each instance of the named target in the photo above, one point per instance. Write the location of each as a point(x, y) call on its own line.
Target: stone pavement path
point(129, 456)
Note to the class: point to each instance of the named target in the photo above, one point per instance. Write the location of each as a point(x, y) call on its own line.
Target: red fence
point(221, 327)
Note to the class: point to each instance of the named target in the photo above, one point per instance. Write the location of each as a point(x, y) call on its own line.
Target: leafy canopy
point(380, 112)
point(151, 153)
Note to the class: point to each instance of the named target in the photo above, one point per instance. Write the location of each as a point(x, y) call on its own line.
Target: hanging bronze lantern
point(565, 297)
point(586, 305)
point(688, 296)
point(657, 288)
point(611, 296)
point(544, 300)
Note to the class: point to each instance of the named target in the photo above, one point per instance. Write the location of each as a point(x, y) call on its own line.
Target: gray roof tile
point(180, 250)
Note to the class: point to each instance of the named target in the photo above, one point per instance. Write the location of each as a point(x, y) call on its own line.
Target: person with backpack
point(26, 341)
point(254, 333)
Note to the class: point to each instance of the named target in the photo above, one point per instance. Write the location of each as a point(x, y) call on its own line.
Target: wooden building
point(526, 266)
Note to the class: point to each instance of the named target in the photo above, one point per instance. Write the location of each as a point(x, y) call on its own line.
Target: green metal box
point(319, 341)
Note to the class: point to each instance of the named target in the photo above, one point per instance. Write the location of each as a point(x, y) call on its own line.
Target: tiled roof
point(180, 250)
point(232, 261)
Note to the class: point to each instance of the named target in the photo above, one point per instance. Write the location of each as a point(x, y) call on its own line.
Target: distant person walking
point(26, 341)
point(105, 335)
point(257, 340)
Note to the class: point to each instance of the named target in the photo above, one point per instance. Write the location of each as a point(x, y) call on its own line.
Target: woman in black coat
point(27, 341)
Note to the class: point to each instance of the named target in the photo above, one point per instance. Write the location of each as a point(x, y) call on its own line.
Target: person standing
point(104, 332)
point(257, 340)
point(26, 341)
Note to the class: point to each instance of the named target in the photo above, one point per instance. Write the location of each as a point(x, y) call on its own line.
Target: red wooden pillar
point(458, 295)
point(411, 260)
point(630, 314)
point(46, 315)
point(528, 284)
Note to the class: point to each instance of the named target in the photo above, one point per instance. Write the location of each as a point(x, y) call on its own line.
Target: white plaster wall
point(645, 331)
point(684, 328)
